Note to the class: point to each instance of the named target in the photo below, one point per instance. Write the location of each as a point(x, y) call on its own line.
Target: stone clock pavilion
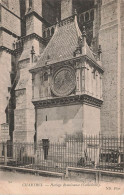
point(67, 85)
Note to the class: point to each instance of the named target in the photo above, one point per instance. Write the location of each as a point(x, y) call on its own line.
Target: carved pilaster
point(93, 82)
point(41, 85)
point(97, 83)
point(33, 80)
point(78, 78)
point(100, 86)
point(90, 80)
point(49, 81)
point(83, 79)
point(87, 78)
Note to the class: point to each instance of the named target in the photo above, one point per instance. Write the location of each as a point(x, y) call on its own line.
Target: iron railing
point(99, 152)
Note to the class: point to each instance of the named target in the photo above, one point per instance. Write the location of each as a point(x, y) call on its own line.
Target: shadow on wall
point(56, 122)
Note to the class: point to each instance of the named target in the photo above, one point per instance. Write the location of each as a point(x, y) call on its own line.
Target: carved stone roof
point(63, 44)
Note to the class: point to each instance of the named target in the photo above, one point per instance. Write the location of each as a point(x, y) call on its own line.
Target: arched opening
point(45, 76)
point(52, 31)
point(48, 33)
point(81, 18)
point(44, 34)
point(87, 16)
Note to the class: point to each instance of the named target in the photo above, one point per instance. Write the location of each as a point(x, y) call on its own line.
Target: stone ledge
point(40, 172)
point(69, 100)
point(99, 175)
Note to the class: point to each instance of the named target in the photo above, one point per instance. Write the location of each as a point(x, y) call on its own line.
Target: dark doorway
point(45, 147)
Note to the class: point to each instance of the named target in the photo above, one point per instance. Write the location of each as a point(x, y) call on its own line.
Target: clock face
point(63, 82)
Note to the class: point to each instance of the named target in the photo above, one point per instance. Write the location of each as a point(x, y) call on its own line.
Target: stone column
point(33, 75)
point(86, 80)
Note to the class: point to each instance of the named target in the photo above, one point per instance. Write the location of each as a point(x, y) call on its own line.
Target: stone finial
point(84, 32)
point(84, 35)
point(99, 52)
point(57, 21)
point(75, 12)
point(75, 15)
point(32, 53)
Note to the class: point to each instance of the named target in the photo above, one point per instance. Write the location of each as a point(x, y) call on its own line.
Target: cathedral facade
point(61, 65)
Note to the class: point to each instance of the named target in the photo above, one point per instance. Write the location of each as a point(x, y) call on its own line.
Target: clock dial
point(63, 82)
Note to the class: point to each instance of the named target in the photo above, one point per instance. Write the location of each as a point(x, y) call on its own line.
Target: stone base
point(57, 122)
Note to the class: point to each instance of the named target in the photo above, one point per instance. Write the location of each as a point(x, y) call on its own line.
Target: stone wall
point(66, 9)
point(10, 21)
point(108, 38)
point(54, 123)
point(6, 40)
point(5, 82)
point(91, 121)
point(37, 6)
point(121, 36)
point(49, 13)
point(24, 113)
point(33, 25)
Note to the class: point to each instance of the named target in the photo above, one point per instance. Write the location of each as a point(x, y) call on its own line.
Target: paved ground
point(19, 177)
point(15, 183)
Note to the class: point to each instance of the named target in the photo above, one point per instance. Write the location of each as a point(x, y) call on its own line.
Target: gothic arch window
point(86, 16)
point(52, 31)
point(81, 18)
point(44, 34)
point(48, 33)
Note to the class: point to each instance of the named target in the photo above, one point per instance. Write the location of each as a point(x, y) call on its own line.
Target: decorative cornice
point(96, 65)
point(31, 36)
point(10, 51)
point(72, 60)
point(26, 38)
point(9, 32)
point(69, 100)
point(3, 48)
point(17, 51)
